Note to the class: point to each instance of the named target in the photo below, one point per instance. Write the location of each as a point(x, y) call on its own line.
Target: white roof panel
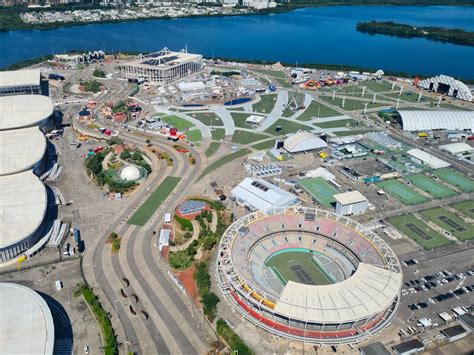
point(432, 120)
point(348, 198)
point(24, 77)
point(303, 141)
point(19, 111)
point(456, 148)
point(427, 158)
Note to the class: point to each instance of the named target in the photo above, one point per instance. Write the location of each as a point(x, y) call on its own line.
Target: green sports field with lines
point(320, 190)
point(146, 210)
point(465, 207)
point(419, 232)
point(297, 265)
point(456, 179)
point(430, 186)
point(401, 192)
point(450, 222)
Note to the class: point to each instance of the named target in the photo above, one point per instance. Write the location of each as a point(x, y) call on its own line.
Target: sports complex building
point(163, 67)
point(309, 275)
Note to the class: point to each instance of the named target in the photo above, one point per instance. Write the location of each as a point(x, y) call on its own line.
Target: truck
point(77, 235)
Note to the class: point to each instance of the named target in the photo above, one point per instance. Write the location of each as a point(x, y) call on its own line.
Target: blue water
point(312, 35)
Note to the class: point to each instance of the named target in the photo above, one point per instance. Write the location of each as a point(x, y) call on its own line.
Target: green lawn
point(409, 96)
point(350, 104)
point(376, 86)
point(465, 207)
point(430, 186)
point(264, 145)
point(456, 179)
point(245, 137)
point(194, 136)
point(287, 127)
point(401, 192)
point(419, 232)
point(146, 210)
point(283, 82)
point(235, 109)
point(266, 103)
point(337, 123)
point(314, 108)
point(450, 222)
point(218, 134)
point(224, 160)
point(320, 190)
point(213, 147)
point(208, 118)
point(239, 119)
point(274, 73)
point(352, 132)
point(177, 122)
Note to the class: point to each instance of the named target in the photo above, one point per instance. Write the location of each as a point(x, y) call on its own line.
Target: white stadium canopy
point(19, 111)
point(303, 141)
point(444, 84)
point(428, 159)
point(431, 120)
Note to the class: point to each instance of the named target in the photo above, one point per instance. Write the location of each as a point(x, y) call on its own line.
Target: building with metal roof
point(21, 111)
point(455, 332)
point(374, 349)
point(409, 347)
point(437, 120)
point(350, 203)
point(258, 194)
point(363, 275)
point(163, 67)
point(457, 149)
point(303, 141)
point(446, 85)
point(23, 82)
point(26, 325)
point(425, 158)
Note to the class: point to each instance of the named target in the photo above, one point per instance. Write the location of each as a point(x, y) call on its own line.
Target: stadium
point(309, 275)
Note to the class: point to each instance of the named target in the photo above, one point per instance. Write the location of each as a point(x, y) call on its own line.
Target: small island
point(440, 34)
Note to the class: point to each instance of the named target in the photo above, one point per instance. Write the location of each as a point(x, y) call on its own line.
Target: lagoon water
point(311, 35)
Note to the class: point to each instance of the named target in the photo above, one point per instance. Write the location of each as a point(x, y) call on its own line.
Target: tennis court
point(450, 222)
point(320, 190)
point(297, 265)
point(401, 192)
point(419, 232)
point(456, 179)
point(465, 207)
point(430, 186)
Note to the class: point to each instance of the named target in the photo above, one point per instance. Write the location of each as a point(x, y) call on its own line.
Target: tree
point(125, 155)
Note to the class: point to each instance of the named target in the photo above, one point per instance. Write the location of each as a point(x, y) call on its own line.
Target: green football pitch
point(320, 190)
point(465, 207)
point(450, 222)
point(297, 265)
point(401, 192)
point(430, 186)
point(419, 232)
point(456, 179)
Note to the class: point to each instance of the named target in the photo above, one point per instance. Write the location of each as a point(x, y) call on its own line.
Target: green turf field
point(320, 190)
point(419, 232)
point(218, 134)
point(337, 123)
point(430, 186)
point(287, 127)
point(213, 147)
point(350, 104)
point(146, 210)
point(239, 119)
point(456, 179)
point(409, 96)
point(314, 108)
point(264, 145)
point(297, 265)
point(401, 192)
point(224, 160)
point(245, 137)
point(266, 103)
point(450, 222)
point(274, 73)
point(375, 86)
point(194, 136)
point(208, 118)
point(177, 122)
point(465, 207)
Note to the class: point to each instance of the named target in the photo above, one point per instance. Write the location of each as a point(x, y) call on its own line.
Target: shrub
point(125, 155)
point(184, 223)
point(235, 342)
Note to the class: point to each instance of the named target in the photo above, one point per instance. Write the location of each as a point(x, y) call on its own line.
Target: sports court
point(465, 207)
point(419, 232)
point(450, 222)
point(430, 186)
point(297, 265)
point(320, 190)
point(456, 179)
point(401, 192)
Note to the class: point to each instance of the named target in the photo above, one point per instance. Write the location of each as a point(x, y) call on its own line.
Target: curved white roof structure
point(23, 203)
point(303, 141)
point(449, 85)
point(20, 111)
point(26, 324)
point(428, 159)
point(21, 149)
point(431, 120)
point(130, 173)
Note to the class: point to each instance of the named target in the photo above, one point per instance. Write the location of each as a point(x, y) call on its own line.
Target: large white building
point(21, 82)
point(162, 67)
point(350, 203)
point(303, 142)
point(443, 84)
point(422, 157)
point(26, 322)
point(437, 120)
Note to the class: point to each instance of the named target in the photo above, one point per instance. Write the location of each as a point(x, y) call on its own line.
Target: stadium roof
point(26, 325)
point(369, 291)
point(22, 77)
point(164, 58)
point(348, 198)
point(456, 88)
point(430, 120)
point(15, 155)
point(23, 203)
point(259, 194)
point(19, 111)
point(428, 159)
point(457, 148)
point(303, 141)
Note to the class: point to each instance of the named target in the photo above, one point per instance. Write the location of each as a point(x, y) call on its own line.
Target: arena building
point(309, 275)
point(437, 120)
point(23, 82)
point(446, 85)
point(163, 67)
point(26, 325)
